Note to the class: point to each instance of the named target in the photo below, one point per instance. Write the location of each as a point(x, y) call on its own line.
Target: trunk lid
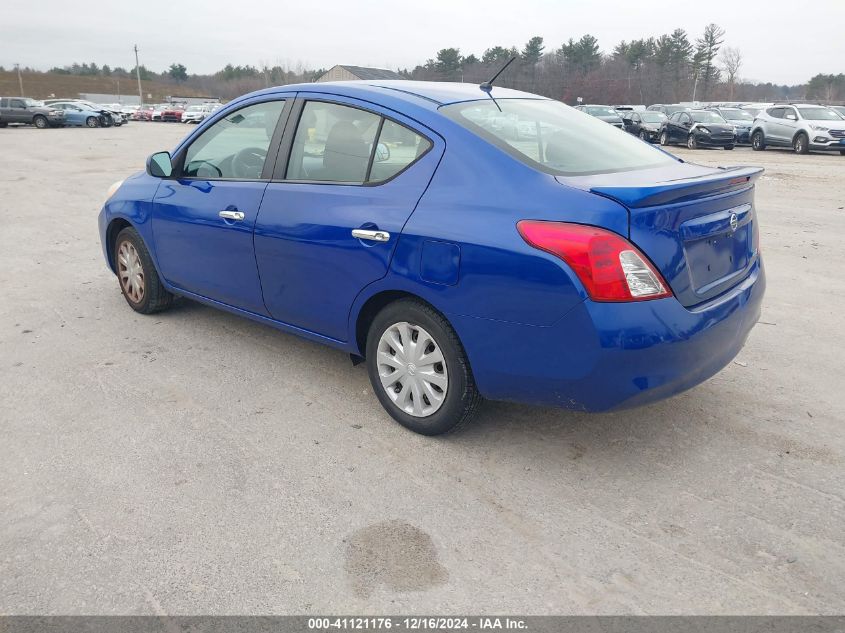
point(697, 224)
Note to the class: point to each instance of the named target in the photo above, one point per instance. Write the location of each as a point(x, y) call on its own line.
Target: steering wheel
point(248, 162)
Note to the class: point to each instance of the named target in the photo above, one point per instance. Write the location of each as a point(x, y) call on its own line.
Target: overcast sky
point(782, 42)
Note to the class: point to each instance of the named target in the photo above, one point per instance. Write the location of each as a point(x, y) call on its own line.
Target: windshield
point(705, 116)
point(819, 114)
point(601, 111)
point(653, 117)
point(735, 114)
point(555, 138)
point(30, 103)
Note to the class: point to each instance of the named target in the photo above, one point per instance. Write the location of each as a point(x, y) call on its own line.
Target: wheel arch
point(375, 304)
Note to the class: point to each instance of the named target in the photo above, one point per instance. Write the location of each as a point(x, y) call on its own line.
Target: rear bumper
point(603, 356)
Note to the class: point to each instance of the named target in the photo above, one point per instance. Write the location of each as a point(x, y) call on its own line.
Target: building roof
point(362, 72)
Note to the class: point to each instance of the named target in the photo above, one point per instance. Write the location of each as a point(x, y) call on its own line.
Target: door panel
point(201, 252)
point(197, 248)
point(311, 266)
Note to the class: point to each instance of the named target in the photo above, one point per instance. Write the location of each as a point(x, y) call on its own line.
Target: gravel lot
point(195, 462)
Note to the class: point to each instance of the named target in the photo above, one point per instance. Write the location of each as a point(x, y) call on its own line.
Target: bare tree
point(731, 63)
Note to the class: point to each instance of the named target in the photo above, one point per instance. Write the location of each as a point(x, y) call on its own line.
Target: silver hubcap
point(412, 369)
point(130, 271)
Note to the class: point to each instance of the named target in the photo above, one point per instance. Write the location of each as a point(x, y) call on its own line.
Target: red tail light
point(609, 266)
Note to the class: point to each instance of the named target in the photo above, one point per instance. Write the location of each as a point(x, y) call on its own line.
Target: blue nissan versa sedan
point(465, 243)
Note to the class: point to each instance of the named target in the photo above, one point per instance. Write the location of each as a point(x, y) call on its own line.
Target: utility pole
point(138, 75)
point(20, 79)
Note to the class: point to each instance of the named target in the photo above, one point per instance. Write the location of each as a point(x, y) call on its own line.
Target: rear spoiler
point(672, 191)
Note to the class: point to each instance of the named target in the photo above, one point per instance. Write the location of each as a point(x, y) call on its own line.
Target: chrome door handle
point(231, 215)
point(373, 236)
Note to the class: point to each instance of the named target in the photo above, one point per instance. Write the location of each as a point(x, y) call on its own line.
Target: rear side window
point(555, 138)
point(342, 144)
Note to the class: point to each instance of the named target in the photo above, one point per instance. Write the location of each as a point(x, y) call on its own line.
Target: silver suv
point(801, 127)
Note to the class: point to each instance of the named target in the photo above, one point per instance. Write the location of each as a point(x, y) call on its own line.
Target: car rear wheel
point(40, 122)
point(92, 121)
point(419, 369)
point(758, 143)
point(139, 281)
point(729, 147)
point(664, 138)
point(801, 144)
point(692, 142)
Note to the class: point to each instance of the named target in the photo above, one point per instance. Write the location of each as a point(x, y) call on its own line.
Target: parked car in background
point(143, 113)
point(586, 269)
point(30, 112)
point(196, 113)
point(697, 128)
point(108, 118)
point(603, 112)
point(646, 124)
point(667, 109)
point(803, 127)
point(128, 111)
point(155, 115)
point(172, 113)
point(81, 114)
point(742, 120)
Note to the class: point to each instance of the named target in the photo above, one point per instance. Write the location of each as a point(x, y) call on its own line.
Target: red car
point(144, 113)
point(172, 113)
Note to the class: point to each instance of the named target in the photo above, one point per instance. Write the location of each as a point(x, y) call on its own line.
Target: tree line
point(666, 69)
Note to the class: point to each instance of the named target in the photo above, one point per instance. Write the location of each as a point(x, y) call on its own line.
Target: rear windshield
point(653, 117)
point(555, 138)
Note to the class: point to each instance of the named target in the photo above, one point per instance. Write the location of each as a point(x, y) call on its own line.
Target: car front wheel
point(419, 369)
point(758, 144)
point(40, 122)
point(664, 138)
point(692, 142)
point(139, 281)
point(801, 144)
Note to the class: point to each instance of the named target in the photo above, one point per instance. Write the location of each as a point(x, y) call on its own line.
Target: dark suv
point(24, 110)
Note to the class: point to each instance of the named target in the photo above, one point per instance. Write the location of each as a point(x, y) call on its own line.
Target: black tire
point(664, 138)
point(154, 297)
point(643, 136)
point(40, 121)
point(801, 144)
point(758, 141)
point(92, 121)
point(842, 152)
point(692, 142)
point(3, 124)
point(462, 397)
point(729, 147)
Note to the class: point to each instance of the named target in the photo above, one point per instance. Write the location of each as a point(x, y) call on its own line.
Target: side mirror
point(791, 117)
point(382, 153)
point(160, 165)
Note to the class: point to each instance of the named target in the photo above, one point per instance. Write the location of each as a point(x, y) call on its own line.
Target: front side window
point(565, 142)
point(236, 146)
point(338, 143)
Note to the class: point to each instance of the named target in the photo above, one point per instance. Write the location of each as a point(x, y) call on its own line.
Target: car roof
point(434, 93)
